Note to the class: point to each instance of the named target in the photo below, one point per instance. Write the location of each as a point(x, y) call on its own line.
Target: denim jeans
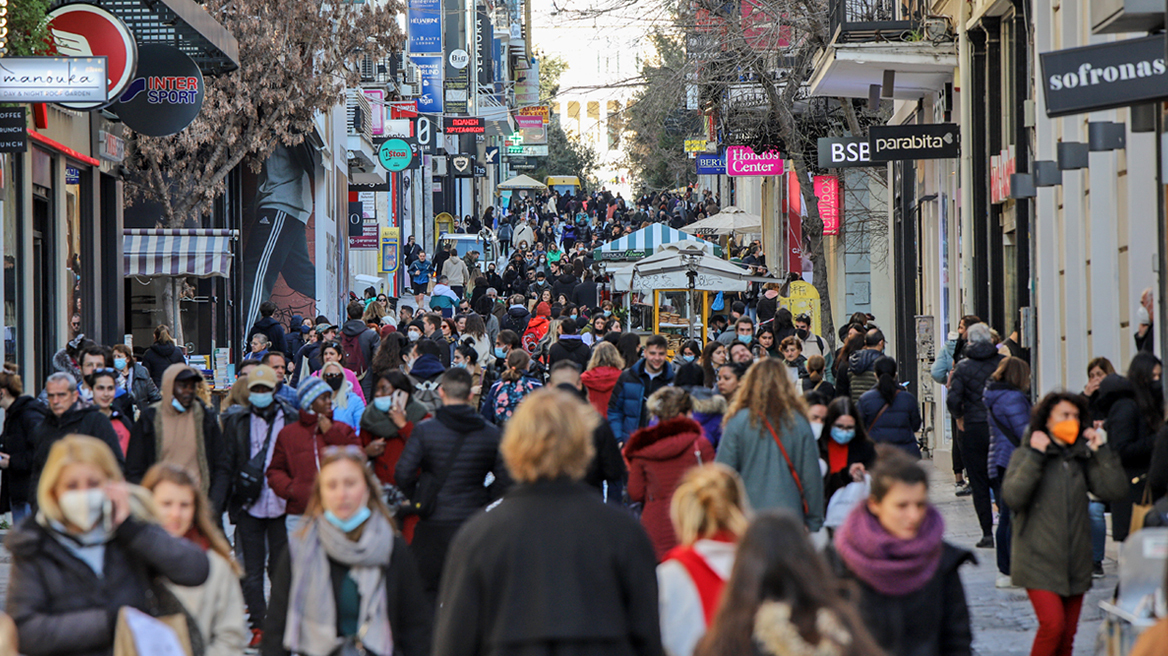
point(1095, 510)
point(1002, 535)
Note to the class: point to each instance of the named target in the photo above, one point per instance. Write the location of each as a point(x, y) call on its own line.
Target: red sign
point(85, 31)
point(1001, 166)
point(742, 160)
point(403, 109)
point(532, 122)
point(828, 192)
point(794, 225)
point(464, 125)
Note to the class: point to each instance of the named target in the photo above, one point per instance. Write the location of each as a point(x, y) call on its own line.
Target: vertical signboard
point(388, 255)
point(527, 85)
point(430, 66)
point(827, 190)
point(484, 38)
point(425, 26)
point(795, 226)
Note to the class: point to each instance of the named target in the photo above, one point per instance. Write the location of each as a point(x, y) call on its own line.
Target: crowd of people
point(504, 467)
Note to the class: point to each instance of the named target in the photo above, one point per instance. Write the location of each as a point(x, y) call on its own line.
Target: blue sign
point(709, 164)
point(493, 155)
point(425, 26)
point(430, 102)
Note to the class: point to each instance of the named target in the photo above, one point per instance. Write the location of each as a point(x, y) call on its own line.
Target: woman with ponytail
point(889, 412)
point(708, 512)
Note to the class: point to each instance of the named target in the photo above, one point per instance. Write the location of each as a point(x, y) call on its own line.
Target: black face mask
point(801, 333)
point(334, 381)
point(1157, 390)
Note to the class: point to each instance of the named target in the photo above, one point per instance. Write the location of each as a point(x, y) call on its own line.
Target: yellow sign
point(695, 145)
point(444, 222)
point(389, 250)
point(803, 299)
point(535, 110)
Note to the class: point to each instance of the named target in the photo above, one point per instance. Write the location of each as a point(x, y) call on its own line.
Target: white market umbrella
point(522, 182)
point(729, 221)
point(669, 269)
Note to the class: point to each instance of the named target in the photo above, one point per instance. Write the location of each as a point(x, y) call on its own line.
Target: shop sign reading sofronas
point(1104, 76)
point(165, 95)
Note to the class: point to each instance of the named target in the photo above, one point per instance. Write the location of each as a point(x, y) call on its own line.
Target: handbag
point(844, 500)
point(1141, 510)
point(429, 485)
point(790, 466)
point(161, 605)
point(249, 483)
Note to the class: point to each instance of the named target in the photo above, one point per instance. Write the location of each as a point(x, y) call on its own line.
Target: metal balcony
point(867, 21)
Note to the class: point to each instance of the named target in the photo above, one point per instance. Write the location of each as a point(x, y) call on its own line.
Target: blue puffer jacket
point(626, 406)
point(899, 423)
point(1006, 406)
point(349, 413)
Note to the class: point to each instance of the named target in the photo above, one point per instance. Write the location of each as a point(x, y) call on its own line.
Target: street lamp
point(691, 258)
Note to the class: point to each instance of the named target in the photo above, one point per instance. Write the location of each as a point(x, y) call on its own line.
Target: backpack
point(354, 354)
point(536, 329)
point(509, 395)
point(426, 393)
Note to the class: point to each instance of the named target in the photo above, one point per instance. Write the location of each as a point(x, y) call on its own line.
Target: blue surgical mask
point(842, 435)
point(500, 353)
point(260, 400)
point(608, 313)
point(383, 403)
point(746, 339)
point(351, 523)
point(119, 363)
point(687, 358)
point(177, 406)
point(460, 365)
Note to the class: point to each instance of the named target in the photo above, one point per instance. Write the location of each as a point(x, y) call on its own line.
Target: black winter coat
point(572, 348)
point(515, 319)
point(565, 284)
point(273, 331)
point(82, 420)
point(1128, 435)
point(505, 593)
point(142, 454)
point(237, 441)
point(429, 448)
point(859, 450)
point(62, 608)
point(20, 424)
point(933, 621)
point(160, 356)
point(584, 295)
point(967, 384)
point(899, 423)
point(410, 616)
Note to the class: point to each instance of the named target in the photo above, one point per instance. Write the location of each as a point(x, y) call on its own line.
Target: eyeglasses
point(346, 450)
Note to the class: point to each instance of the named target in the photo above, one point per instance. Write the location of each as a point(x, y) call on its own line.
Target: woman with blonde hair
point(768, 441)
point(347, 577)
point(604, 368)
point(92, 549)
point(708, 512)
point(659, 455)
point(499, 581)
point(347, 404)
point(217, 605)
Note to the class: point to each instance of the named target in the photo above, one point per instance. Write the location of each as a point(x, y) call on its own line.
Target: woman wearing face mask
point(1046, 488)
point(133, 377)
point(22, 415)
point(844, 446)
point(910, 592)
point(334, 352)
point(348, 576)
point(388, 422)
point(92, 549)
point(687, 370)
point(347, 405)
point(104, 383)
point(713, 357)
point(217, 605)
point(467, 357)
point(890, 412)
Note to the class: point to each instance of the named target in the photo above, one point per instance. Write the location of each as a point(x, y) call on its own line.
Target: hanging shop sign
point(425, 26)
point(395, 155)
point(389, 254)
point(479, 171)
point(845, 152)
point(464, 125)
point(165, 95)
point(110, 147)
point(695, 145)
point(535, 110)
point(1105, 75)
point(430, 66)
point(903, 142)
point(711, 164)
point(528, 151)
point(742, 160)
point(463, 166)
point(80, 30)
point(1002, 166)
point(53, 79)
point(492, 155)
point(484, 38)
point(13, 130)
point(827, 190)
point(459, 58)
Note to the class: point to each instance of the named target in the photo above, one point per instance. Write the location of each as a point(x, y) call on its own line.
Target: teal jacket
point(751, 451)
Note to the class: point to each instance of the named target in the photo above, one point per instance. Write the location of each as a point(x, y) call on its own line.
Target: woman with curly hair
point(768, 441)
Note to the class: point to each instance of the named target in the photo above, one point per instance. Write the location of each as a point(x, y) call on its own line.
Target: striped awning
point(644, 243)
point(202, 253)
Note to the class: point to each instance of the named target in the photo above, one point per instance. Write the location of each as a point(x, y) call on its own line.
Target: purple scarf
point(892, 566)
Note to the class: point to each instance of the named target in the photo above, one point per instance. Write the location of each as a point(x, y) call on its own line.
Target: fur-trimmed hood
point(714, 404)
point(665, 440)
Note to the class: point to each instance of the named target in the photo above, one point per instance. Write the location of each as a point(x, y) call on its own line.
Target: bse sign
point(845, 152)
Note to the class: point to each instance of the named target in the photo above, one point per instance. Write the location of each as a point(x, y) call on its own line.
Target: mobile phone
point(399, 400)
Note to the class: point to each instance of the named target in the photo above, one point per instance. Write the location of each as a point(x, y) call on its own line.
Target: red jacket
point(658, 457)
point(296, 458)
point(599, 383)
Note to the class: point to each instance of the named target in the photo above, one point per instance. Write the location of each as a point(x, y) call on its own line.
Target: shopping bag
point(844, 500)
point(1139, 511)
point(138, 634)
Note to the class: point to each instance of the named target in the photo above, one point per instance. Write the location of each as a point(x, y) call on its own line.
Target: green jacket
point(750, 450)
point(1047, 494)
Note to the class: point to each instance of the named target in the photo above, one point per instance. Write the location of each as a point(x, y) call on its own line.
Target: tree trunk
point(813, 234)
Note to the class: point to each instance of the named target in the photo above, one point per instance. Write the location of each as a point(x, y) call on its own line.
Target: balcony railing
point(860, 21)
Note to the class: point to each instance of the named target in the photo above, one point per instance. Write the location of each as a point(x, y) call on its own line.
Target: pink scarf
point(890, 565)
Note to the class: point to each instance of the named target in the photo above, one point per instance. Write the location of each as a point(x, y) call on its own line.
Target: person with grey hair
point(67, 415)
point(965, 404)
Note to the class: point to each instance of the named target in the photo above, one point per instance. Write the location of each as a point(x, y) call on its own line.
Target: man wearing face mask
point(181, 430)
point(258, 514)
point(298, 449)
point(813, 344)
point(66, 416)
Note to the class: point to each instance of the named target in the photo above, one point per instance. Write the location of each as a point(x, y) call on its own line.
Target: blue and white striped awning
point(202, 253)
point(644, 243)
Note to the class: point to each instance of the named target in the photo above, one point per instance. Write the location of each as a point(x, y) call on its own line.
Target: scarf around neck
point(892, 566)
point(312, 608)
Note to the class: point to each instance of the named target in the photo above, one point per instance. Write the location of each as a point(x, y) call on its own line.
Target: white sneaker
point(1004, 581)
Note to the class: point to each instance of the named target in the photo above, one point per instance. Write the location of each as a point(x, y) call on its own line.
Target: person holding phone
point(388, 422)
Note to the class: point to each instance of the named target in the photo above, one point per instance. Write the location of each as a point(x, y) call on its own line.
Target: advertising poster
point(431, 67)
point(425, 26)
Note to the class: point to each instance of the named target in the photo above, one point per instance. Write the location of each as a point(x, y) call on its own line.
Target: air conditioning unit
point(358, 113)
point(407, 73)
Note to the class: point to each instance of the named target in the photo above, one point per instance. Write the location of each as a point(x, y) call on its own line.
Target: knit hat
point(543, 309)
point(310, 388)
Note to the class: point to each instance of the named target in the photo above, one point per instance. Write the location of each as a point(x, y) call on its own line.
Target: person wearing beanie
point(301, 445)
point(543, 309)
point(569, 346)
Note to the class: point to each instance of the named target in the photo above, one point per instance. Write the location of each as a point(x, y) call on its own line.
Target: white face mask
point(817, 428)
point(83, 508)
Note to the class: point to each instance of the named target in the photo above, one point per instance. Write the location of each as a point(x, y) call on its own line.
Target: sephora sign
point(1104, 76)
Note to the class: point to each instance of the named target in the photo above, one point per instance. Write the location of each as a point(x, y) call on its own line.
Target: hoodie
point(516, 319)
point(862, 372)
point(570, 347)
point(158, 357)
point(968, 382)
point(599, 383)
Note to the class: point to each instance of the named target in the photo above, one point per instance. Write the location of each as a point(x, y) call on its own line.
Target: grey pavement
point(1003, 619)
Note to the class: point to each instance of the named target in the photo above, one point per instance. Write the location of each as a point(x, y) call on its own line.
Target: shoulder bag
point(249, 483)
point(429, 485)
point(790, 466)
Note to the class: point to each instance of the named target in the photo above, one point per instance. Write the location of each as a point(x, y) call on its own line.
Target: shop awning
point(644, 243)
point(202, 253)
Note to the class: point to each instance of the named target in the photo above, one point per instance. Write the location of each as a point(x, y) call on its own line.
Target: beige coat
point(217, 607)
